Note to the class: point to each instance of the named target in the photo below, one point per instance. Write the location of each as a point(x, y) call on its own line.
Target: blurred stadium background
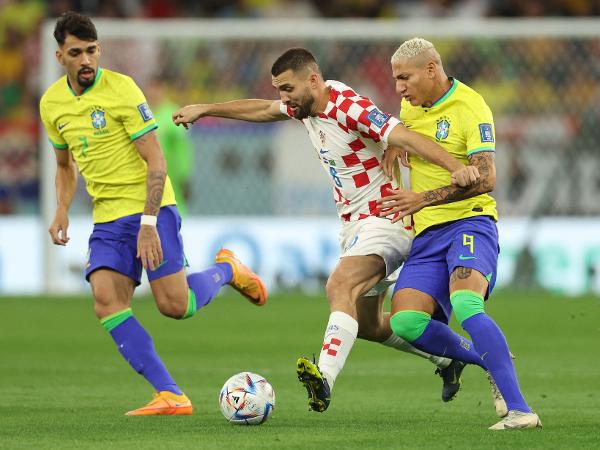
point(258, 188)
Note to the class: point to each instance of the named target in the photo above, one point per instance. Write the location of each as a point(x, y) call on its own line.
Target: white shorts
point(377, 236)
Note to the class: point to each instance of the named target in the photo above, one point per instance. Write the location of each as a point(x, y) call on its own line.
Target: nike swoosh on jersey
point(60, 127)
point(464, 258)
point(322, 152)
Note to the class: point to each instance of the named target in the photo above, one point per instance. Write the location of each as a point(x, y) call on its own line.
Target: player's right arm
point(250, 110)
point(66, 185)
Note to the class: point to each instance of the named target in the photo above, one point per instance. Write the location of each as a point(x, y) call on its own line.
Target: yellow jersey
point(462, 123)
point(98, 127)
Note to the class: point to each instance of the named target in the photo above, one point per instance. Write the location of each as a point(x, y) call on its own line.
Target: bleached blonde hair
point(413, 48)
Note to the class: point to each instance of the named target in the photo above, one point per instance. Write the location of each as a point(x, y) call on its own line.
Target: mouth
point(294, 107)
point(86, 73)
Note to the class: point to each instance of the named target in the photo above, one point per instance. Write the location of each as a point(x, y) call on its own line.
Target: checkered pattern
point(350, 136)
point(334, 342)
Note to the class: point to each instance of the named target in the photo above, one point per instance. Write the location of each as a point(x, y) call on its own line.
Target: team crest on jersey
point(443, 128)
point(98, 118)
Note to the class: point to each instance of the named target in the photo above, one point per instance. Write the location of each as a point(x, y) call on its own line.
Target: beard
point(304, 108)
point(83, 82)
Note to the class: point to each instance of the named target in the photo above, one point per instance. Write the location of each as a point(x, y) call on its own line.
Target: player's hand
point(404, 158)
point(188, 115)
point(58, 228)
point(149, 249)
point(400, 204)
point(390, 156)
point(466, 176)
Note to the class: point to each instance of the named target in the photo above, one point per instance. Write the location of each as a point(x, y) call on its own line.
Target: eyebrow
point(283, 86)
point(78, 49)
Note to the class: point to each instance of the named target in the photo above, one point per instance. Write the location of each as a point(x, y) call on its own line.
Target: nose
point(400, 87)
point(284, 97)
point(85, 59)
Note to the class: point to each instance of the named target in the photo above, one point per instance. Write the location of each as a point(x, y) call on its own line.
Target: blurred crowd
point(542, 89)
point(330, 8)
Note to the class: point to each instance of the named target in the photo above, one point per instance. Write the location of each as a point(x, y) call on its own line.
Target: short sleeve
point(136, 114)
point(363, 117)
point(479, 129)
point(53, 135)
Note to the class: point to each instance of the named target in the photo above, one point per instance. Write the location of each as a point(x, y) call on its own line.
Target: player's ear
point(431, 69)
point(59, 57)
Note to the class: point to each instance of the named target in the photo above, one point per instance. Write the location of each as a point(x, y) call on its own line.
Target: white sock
point(340, 335)
point(400, 344)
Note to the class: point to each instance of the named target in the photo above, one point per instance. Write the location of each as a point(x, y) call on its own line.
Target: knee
point(466, 304)
point(172, 306)
point(409, 325)
point(105, 302)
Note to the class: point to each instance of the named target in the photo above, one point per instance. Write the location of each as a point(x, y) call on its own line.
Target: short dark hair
point(294, 59)
point(76, 24)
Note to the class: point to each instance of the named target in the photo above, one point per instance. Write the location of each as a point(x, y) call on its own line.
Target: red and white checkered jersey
point(350, 137)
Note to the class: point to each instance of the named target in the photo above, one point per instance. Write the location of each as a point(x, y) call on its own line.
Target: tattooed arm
point(149, 247)
point(149, 148)
point(484, 161)
point(407, 202)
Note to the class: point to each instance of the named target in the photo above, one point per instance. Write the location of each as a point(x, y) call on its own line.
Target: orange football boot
point(244, 280)
point(165, 403)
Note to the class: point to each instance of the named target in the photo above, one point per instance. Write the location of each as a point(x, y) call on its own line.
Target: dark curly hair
point(76, 24)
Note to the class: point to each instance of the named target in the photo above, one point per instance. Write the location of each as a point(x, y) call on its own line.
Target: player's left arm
point(149, 246)
point(407, 202)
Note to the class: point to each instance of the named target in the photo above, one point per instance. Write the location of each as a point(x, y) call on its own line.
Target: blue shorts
point(113, 245)
point(440, 249)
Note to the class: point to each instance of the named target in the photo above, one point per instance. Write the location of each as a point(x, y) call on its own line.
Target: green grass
point(64, 385)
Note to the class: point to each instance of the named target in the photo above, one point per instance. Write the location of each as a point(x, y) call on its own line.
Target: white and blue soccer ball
point(247, 399)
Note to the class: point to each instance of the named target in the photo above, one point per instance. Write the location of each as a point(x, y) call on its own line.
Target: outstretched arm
point(407, 202)
point(251, 110)
point(417, 144)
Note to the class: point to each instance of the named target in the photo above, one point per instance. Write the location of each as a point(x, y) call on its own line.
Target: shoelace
point(495, 391)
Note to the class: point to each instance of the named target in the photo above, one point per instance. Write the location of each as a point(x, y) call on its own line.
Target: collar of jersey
point(330, 103)
point(447, 94)
point(87, 89)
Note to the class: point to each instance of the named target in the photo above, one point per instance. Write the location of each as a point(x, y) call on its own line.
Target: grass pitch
point(64, 385)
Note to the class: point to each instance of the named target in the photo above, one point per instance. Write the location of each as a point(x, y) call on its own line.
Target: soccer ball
point(247, 399)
